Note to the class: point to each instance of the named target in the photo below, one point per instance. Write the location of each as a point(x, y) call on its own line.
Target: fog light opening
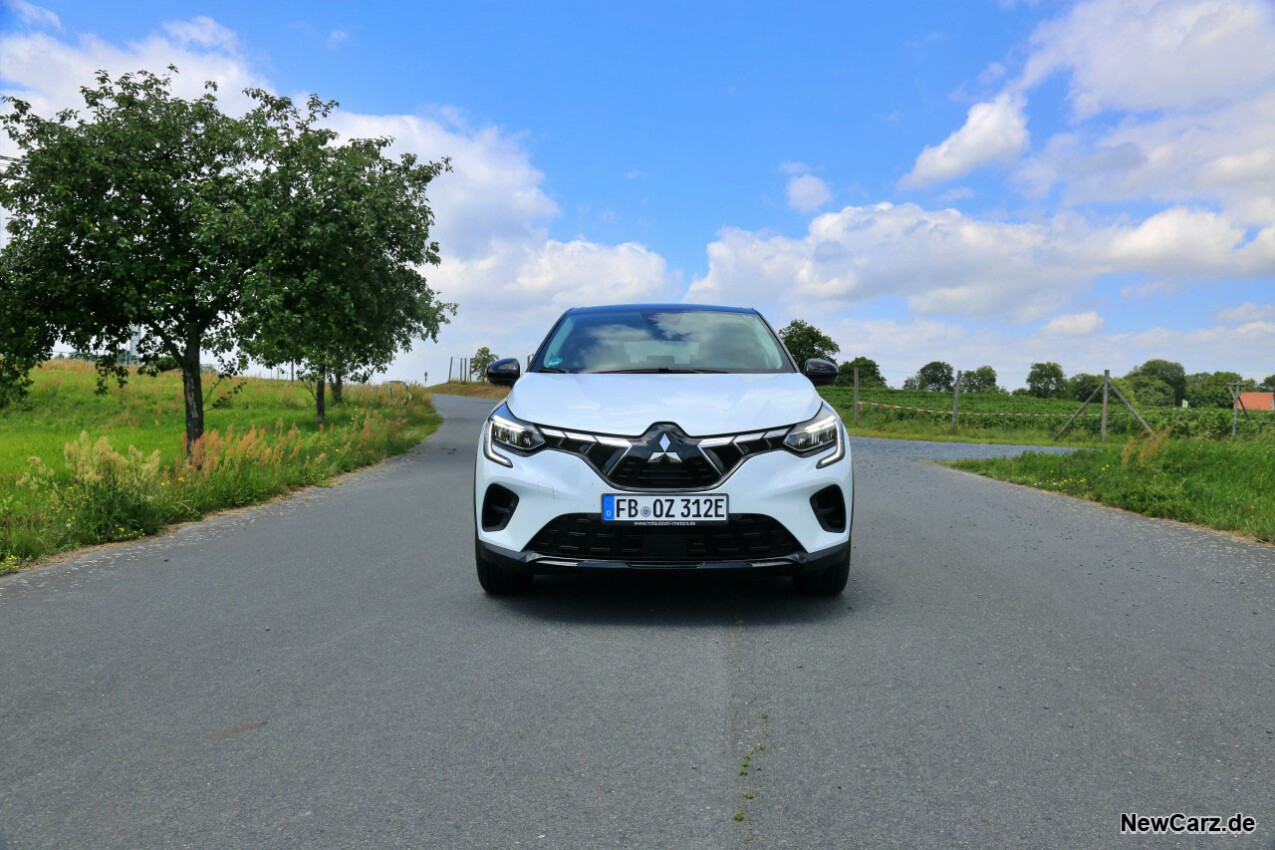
point(499, 505)
point(829, 506)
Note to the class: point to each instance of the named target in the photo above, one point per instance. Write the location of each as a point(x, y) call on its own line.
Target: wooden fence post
point(1106, 387)
point(1075, 415)
point(1235, 410)
point(856, 396)
point(1132, 409)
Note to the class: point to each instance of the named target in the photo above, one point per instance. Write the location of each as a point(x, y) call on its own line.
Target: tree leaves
point(344, 230)
point(210, 235)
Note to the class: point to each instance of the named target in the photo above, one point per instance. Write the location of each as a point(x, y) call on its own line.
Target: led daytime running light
point(508, 431)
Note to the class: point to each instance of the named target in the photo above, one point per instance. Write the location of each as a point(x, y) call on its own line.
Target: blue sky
point(981, 183)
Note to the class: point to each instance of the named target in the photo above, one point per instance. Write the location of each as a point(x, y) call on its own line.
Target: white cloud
point(946, 263)
point(994, 132)
point(1249, 311)
point(793, 167)
point(204, 32)
point(493, 195)
point(1177, 241)
point(1151, 289)
point(33, 15)
point(1225, 154)
point(993, 72)
point(1145, 55)
point(807, 193)
point(1074, 324)
point(336, 38)
point(48, 72)
point(940, 260)
point(1191, 84)
point(956, 193)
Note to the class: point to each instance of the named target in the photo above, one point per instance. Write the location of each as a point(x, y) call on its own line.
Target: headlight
point(816, 435)
point(505, 429)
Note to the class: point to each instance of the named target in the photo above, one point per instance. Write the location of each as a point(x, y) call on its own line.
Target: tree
point(25, 337)
point(935, 376)
point(1167, 371)
point(1269, 383)
point(1081, 385)
point(980, 380)
point(1152, 390)
point(480, 361)
point(804, 341)
point(133, 217)
point(1046, 380)
point(869, 373)
point(1214, 389)
point(343, 230)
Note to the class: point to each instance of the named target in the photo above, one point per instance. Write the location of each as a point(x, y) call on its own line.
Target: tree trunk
point(319, 409)
point(193, 392)
point(338, 382)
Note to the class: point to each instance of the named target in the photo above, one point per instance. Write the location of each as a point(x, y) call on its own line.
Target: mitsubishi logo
point(664, 453)
point(663, 457)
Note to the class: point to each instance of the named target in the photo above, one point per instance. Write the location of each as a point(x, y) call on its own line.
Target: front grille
point(746, 537)
point(640, 474)
point(629, 462)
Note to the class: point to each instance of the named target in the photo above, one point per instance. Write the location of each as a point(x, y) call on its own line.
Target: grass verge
point(472, 390)
point(1229, 486)
point(77, 468)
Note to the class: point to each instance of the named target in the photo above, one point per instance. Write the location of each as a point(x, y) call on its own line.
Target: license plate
point(665, 510)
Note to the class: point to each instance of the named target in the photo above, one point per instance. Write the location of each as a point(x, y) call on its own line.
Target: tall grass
point(78, 468)
point(1227, 485)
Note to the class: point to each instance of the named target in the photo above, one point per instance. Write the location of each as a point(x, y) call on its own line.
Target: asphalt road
point(1007, 668)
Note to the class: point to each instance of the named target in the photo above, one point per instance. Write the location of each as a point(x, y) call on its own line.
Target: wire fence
point(1105, 411)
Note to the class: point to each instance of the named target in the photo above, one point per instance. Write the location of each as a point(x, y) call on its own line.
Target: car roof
point(608, 308)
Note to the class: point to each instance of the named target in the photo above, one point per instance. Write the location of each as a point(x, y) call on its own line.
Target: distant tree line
point(1156, 383)
point(260, 237)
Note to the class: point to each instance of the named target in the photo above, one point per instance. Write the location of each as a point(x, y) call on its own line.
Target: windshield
point(661, 340)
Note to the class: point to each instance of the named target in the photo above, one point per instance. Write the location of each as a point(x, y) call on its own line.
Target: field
point(1003, 418)
point(1222, 484)
point(78, 468)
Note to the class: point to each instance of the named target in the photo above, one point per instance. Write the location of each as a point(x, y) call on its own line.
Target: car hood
point(627, 405)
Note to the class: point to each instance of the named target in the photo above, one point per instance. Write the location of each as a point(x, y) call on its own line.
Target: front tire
point(829, 581)
point(497, 580)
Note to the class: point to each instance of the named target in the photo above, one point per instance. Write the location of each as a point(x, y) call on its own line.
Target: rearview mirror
point(504, 373)
point(820, 371)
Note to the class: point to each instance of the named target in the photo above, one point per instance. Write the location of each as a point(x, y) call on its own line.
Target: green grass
point(472, 389)
point(78, 468)
point(1226, 485)
point(1003, 418)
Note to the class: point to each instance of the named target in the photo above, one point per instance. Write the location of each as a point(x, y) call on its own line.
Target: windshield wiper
point(551, 369)
point(660, 370)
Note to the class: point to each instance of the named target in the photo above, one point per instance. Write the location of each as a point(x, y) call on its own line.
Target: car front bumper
point(776, 485)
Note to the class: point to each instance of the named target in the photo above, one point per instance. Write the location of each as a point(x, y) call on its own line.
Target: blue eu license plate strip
point(665, 510)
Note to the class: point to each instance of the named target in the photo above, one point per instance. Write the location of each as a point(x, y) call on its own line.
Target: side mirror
point(503, 373)
point(820, 371)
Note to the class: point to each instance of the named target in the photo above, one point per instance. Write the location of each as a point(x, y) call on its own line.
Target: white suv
point(663, 436)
